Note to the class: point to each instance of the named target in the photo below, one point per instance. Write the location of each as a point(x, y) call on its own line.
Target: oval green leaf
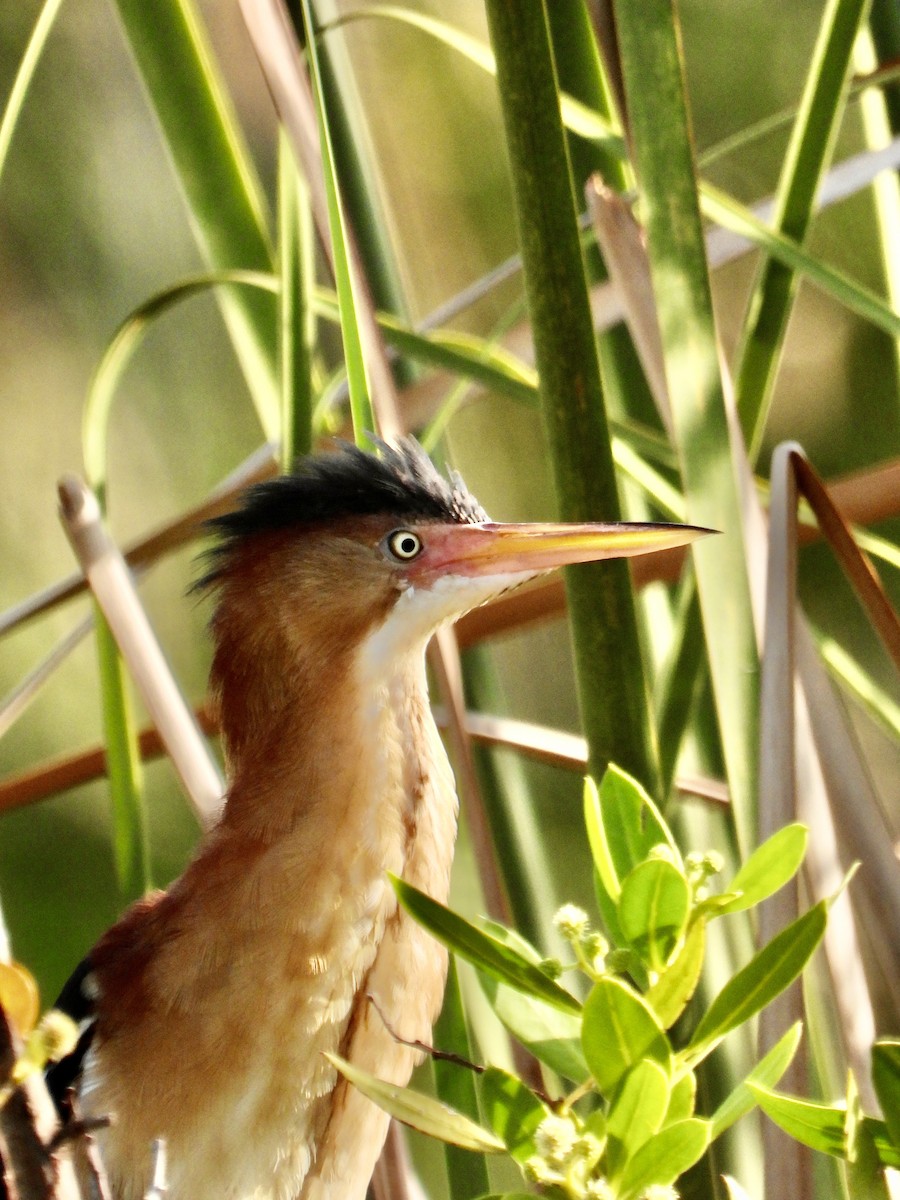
point(682, 1099)
point(768, 868)
point(636, 1112)
point(552, 1036)
point(819, 1126)
point(653, 910)
point(673, 989)
point(620, 1029)
point(664, 1157)
point(420, 1112)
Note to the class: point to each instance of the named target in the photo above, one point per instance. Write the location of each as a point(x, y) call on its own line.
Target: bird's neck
point(289, 904)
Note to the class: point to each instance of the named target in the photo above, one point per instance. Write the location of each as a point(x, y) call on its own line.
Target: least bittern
point(210, 1004)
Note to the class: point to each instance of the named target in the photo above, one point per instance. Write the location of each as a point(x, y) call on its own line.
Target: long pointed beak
point(500, 549)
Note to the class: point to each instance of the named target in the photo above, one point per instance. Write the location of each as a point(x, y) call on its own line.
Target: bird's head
point(353, 549)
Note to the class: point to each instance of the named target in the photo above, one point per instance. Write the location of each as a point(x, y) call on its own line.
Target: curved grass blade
point(121, 349)
point(721, 208)
point(24, 75)
point(216, 172)
point(619, 1030)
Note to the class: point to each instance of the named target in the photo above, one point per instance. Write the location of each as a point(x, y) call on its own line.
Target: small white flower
point(555, 1139)
point(571, 921)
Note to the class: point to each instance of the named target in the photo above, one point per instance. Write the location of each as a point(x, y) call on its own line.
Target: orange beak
point(500, 549)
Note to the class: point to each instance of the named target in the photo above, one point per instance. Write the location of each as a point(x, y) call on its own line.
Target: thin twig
point(114, 590)
point(77, 1128)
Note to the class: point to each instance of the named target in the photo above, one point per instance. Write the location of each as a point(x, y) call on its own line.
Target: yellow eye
point(404, 544)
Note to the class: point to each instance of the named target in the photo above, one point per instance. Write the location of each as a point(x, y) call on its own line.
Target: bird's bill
point(501, 549)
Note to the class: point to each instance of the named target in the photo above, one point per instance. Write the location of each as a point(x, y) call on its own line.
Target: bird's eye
point(404, 544)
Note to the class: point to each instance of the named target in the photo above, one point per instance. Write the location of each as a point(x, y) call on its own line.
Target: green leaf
point(512, 1110)
point(767, 869)
point(653, 910)
point(486, 953)
point(766, 975)
point(766, 1073)
point(623, 825)
point(887, 1149)
point(865, 1177)
point(675, 986)
point(636, 1112)
point(597, 839)
point(682, 1100)
point(619, 1030)
point(552, 1036)
point(346, 285)
point(820, 1126)
point(886, 1079)
point(24, 75)
point(121, 350)
point(806, 158)
point(664, 1157)
point(420, 1112)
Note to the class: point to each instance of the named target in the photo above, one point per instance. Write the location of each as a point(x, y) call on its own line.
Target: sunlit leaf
point(768, 868)
point(19, 997)
point(502, 962)
point(682, 1099)
point(766, 975)
point(623, 825)
point(636, 1112)
point(619, 1030)
point(886, 1080)
point(552, 1036)
point(666, 1156)
point(673, 989)
point(766, 1073)
point(653, 910)
point(419, 1111)
point(512, 1111)
point(820, 1126)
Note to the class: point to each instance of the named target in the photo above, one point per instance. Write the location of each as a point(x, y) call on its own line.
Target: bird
point(207, 1009)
